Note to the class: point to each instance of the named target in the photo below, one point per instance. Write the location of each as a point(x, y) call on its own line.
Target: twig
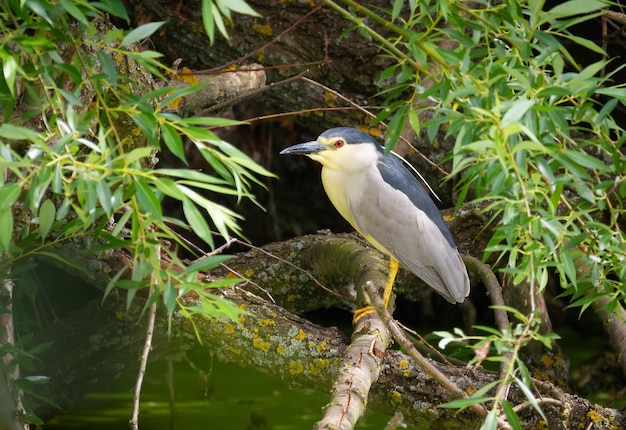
point(274, 40)
point(424, 363)
point(134, 422)
point(370, 114)
point(547, 400)
point(494, 291)
point(396, 421)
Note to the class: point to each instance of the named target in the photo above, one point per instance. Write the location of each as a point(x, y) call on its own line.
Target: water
point(226, 396)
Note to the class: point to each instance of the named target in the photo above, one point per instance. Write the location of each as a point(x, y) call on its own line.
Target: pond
point(225, 397)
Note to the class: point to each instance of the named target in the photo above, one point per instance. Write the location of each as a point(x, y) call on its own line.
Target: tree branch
point(99, 342)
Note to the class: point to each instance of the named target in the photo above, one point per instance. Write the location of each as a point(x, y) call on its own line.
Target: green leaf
point(530, 396)
point(572, 8)
point(148, 200)
point(226, 282)
point(197, 222)
point(169, 298)
point(9, 193)
point(585, 43)
point(112, 283)
point(217, 19)
point(210, 121)
point(136, 155)
point(517, 111)
point(75, 12)
point(6, 228)
point(466, 402)
point(173, 141)
point(9, 70)
point(618, 93)
point(114, 7)
point(108, 67)
point(206, 263)
point(18, 132)
point(141, 32)
point(169, 188)
point(491, 421)
point(68, 262)
point(511, 416)
point(207, 20)
point(239, 6)
point(104, 196)
point(47, 214)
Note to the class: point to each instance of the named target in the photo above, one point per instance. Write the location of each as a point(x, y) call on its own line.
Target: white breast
point(342, 187)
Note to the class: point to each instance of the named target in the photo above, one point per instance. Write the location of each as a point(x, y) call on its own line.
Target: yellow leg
point(393, 271)
point(368, 309)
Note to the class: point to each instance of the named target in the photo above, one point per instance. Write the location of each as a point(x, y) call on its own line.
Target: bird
point(387, 205)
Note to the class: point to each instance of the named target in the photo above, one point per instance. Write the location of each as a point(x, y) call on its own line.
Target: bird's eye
point(338, 143)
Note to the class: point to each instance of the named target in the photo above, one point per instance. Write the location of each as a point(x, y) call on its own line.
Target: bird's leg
point(393, 271)
point(368, 309)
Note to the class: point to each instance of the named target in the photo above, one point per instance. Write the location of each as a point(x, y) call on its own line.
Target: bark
point(11, 408)
point(100, 341)
point(613, 322)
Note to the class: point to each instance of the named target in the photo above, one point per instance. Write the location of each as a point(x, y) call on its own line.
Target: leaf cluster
point(534, 131)
point(78, 145)
point(535, 139)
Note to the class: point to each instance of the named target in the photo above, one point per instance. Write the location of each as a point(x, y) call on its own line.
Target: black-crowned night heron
point(386, 204)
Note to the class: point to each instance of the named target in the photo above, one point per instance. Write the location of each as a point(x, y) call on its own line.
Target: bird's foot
point(361, 312)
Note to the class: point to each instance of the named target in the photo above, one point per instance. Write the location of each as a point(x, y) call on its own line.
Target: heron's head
point(342, 148)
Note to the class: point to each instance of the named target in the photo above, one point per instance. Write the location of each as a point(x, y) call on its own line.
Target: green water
point(229, 397)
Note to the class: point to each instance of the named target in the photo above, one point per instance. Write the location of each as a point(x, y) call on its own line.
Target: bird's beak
point(306, 148)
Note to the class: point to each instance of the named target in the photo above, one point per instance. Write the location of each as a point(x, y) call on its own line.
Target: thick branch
point(614, 325)
point(99, 342)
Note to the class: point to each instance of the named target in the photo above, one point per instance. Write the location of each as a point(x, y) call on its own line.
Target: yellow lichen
point(318, 365)
point(547, 360)
point(595, 416)
point(295, 367)
point(301, 335)
point(542, 375)
point(321, 347)
point(174, 104)
point(187, 76)
point(234, 350)
point(330, 99)
point(396, 397)
point(265, 29)
point(261, 344)
point(266, 322)
point(229, 329)
point(248, 273)
point(403, 364)
point(280, 349)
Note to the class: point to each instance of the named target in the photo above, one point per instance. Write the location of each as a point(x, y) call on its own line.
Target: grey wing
point(414, 240)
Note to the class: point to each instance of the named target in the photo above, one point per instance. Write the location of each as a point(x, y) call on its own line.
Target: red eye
point(339, 143)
